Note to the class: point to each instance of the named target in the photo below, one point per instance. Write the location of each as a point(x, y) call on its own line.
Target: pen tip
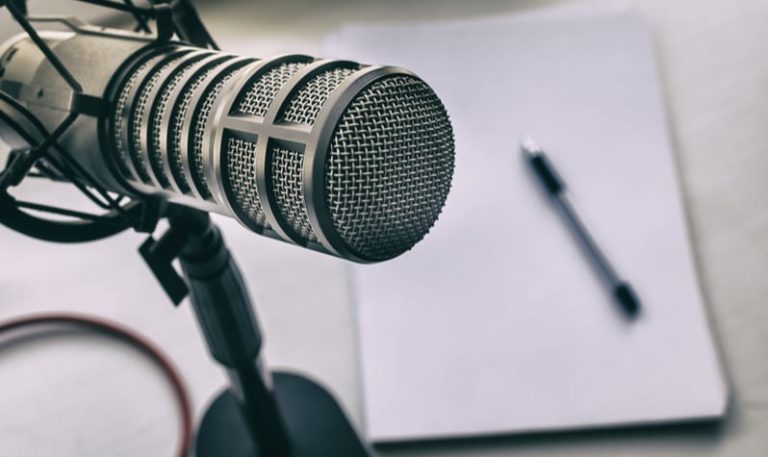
point(529, 146)
point(627, 299)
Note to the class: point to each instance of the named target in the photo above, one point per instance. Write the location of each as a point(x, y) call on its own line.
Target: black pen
point(621, 290)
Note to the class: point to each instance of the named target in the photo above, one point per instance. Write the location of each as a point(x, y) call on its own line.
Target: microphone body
point(348, 159)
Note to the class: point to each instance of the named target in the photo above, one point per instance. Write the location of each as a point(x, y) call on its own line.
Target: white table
point(69, 396)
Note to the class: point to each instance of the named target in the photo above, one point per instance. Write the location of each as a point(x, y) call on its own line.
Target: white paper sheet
point(496, 323)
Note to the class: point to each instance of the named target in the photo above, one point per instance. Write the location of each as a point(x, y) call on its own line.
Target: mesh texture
point(177, 126)
point(159, 111)
point(259, 96)
point(389, 168)
point(140, 111)
point(240, 172)
point(305, 105)
point(287, 178)
point(198, 128)
point(117, 126)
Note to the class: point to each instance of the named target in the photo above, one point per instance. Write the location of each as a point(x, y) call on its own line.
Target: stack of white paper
point(496, 323)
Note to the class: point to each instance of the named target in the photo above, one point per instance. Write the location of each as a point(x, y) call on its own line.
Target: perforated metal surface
point(305, 105)
point(256, 100)
point(389, 167)
point(139, 118)
point(162, 108)
point(239, 167)
point(179, 114)
point(387, 156)
point(177, 122)
point(287, 177)
point(198, 128)
point(119, 118)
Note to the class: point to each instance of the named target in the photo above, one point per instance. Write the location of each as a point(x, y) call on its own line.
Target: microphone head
point(345, 158)
point(389, 167)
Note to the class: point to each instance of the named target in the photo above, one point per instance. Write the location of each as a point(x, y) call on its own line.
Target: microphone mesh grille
point(162, 108)
point(199, 126)
point(384, 155)
point(177, 124)
point(305, 105)
point(138, 120)
point(257, 99)
point(239, 161)
point(389, 168)
point(287, 179)
point(120, 108)
point(177, 129)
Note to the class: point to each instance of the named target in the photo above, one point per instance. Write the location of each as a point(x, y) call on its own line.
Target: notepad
point(496, 323)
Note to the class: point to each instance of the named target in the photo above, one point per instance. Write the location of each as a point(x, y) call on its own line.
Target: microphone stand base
point(316, 425)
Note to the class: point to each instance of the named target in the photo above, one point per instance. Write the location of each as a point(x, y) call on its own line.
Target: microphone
point(349, 159)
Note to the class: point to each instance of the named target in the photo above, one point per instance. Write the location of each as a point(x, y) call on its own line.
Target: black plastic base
point(316, 424)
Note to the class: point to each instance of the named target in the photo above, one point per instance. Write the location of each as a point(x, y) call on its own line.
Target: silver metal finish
point(138, 121)
point(233, 157)
point(347, 159)
point(181, 99)
point(389, 167)
point(161, 110)
point(93, 59)
point(122, 121)
point(271, 140)
point(198, 149)
point(317, 156)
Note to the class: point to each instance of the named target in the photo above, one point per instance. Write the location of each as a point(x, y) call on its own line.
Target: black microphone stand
point(259, 414)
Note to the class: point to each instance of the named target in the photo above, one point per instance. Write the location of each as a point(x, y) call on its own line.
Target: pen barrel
point(546, 173)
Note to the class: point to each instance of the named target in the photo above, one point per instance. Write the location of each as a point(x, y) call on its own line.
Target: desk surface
point(713, 61)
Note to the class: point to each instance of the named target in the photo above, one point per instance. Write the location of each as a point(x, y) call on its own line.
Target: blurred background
point(712, 58)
